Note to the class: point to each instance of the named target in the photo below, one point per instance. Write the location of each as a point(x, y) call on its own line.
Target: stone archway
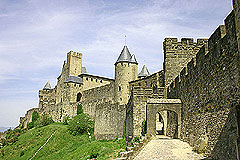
point(157, 105)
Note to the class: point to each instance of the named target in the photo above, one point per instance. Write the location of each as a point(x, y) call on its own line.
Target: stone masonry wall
point(110, 118)
point(93, 97)
point(209, 91)
point(178, 54)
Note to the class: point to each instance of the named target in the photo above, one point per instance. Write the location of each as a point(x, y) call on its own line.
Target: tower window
point(100, 81)
point(96, 80)
point(119, 88)
point(79, 96)
point(87, 78)
point(91, 79)
point(120, 99)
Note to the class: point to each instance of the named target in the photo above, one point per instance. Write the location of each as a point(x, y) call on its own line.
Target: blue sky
point(35, 36)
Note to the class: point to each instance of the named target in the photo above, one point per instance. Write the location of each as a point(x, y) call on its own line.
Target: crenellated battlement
point(184, 41)
point(178, 53)
point(209, 56)
point(76, 54)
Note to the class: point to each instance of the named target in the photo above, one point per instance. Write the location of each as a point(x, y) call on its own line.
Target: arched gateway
point(155, 106)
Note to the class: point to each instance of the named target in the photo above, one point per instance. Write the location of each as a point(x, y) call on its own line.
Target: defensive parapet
point(178, 54)
point(208, 87)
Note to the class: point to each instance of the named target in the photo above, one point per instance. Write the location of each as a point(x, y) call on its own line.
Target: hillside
point(62, 145)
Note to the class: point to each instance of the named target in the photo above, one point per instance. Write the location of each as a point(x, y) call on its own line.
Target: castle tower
point(126, 70)
point(74, 63)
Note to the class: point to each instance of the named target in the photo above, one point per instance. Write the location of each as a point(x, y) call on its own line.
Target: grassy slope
point(61, 146)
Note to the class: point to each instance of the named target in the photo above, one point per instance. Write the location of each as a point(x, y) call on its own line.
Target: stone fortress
point(196, 96)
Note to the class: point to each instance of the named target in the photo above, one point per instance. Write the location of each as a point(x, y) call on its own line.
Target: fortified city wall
point(96, 96)
point(209, 90)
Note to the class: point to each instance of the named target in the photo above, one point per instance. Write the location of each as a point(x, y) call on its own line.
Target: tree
point(80, 124)
point(35, 116)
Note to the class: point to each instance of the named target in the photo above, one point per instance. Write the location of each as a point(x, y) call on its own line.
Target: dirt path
point(164, 148)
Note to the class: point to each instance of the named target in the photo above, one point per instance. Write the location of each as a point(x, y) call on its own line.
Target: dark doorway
point(79, 96)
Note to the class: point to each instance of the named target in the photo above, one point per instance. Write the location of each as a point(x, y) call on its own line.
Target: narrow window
point(119, 88)
point(79, 96)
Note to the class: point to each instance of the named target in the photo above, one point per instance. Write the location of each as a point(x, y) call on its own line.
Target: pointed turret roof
point(144, 72)
point(125, 55)
point(133, 59)
point(47, 85)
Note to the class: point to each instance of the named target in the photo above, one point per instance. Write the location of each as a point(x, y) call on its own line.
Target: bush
point(66, 120)
point(80, 124)
point(21, 153)
point(136, 139)
point(2, 153)
point(43, 120)
point(30, 125)
point(79, 109)
point(35, 116)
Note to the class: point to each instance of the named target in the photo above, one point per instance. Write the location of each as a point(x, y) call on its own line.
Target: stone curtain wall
point(178, 54)
point(209, 92)
point(96, 96)
point(109, 120)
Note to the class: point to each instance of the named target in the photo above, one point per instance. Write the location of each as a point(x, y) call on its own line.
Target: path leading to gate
point(164, 148)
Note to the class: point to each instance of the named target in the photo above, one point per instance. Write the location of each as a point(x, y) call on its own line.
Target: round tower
point(126, 70)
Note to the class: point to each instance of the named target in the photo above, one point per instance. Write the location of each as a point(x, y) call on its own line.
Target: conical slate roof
point(144, 72)
point(74, 79)
point(133, 59)
point(125, 55)
point(47, 85)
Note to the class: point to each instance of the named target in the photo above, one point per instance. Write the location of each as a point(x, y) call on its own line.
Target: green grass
point(61, 146)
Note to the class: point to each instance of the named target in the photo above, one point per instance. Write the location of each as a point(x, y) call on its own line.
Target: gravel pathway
point(164, 148)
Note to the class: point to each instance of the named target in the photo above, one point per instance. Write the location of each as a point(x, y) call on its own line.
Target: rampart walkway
point(164, 148)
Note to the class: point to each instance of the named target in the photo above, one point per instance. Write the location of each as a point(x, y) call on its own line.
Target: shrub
point(43, 120)
point(2, 153)
point(136, 139)
point(21, 153)
point(66, 120)
point(35, 116)
point(80, 124)
point(30, 125)
point(79, 109)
